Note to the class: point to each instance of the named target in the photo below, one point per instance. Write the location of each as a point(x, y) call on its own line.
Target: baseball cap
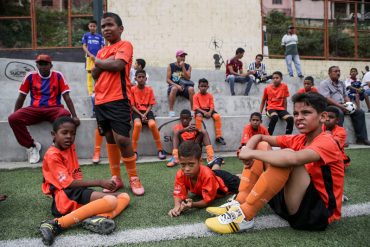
point(43, 57)
point(181, 53)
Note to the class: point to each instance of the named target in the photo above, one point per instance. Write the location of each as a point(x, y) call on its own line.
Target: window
point(47, 3)
point(277, 1)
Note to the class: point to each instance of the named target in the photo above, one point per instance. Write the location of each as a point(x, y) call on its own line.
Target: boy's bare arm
point(285, 104)
point(106, 184)
point(187, 73)
point(148, 110)
point(20, 101)
point(84, 47)
point(262, 106)
point(110, 64)
point(71, 108)
point(177, 209)
point(136, 110)
point(188, 203)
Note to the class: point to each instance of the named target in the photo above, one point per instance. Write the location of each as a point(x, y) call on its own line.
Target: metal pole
point(356, 31)
point(98, 12)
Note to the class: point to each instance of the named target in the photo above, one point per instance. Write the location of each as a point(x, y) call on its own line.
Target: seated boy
point(303, 182)
point(186, 131)
point(142, 103)
point(139, 65)
point(275, 95)
point(73, 201)
point(204, 106)
point(355, 90)
point(339, 133)
point(208, 182)
point(308, 86)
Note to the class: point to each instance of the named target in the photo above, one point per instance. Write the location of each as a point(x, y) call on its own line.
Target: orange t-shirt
point(303, 90)
point(248, 132)
point(112, 86)
point(203, 101)
point(206, 186)
point(327, 174)
point(275, 96)
point(142, 98)
point(186, 136)
point(340, 135)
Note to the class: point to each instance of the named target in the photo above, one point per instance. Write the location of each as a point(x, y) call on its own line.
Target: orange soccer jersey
point(249, 132)
point(142, 98)
point(303, 90)
point(275, 96)
point(207, 185)
point(339, 133)
point(186, 136)
point(203, 101)
point(327, 174)
point(112, 86)
point(60, 168)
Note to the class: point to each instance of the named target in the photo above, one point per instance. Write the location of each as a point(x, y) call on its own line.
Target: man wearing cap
point(46, 88)
point(179, 83)
point(290, 41)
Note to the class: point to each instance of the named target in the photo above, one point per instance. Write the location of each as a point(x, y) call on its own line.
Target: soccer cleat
point(119, 185)
point(99, 224)
point(172, 162)
point(34, 153)
point(220, 140)
point(230, 222)
point(96, 156)
point(136, 186)
point(161, 155)
point(223, 208)
point(216, 161)
point(172, 114)
point(48, 230)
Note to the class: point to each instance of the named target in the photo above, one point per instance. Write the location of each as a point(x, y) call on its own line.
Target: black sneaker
point(48, 230)
point(99, 224)
point(216, 161)
point(301, 76)
point(220, 140)
point(161, 155)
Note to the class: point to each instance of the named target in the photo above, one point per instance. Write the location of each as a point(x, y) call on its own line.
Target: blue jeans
point(231, 79)
point(297, 63)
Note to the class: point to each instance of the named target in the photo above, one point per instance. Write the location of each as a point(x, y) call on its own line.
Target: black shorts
point(197, 111)
point(312, 214)
point(184, 93)
point(81, 195)
point(231, 181)
point(149, 116)
point(116, 116)
point(280, 113)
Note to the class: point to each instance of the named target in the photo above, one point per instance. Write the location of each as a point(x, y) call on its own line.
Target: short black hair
point(239, 50)
point(59, 121)
point(316, 100)
point(202, 80)
point(333, 109)
point(141, 62)
point(140, 71)
point(190, 149)
point(309, 78)
point(256, 114)
point(259, 55)
point(93, 21)
point(353, 69)
point(116, 18)
point(185, 112)
point(278, 73)
point(332, 67)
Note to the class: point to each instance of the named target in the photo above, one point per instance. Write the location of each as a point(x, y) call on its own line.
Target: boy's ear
point(323, 116)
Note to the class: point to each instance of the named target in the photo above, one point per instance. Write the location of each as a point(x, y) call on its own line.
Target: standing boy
point(303, 182)
point(275, 95)
point(308, 86)
point(204, 106)
point(290, 43)
point(142, 103)
point(139, 65)
point(112, 101)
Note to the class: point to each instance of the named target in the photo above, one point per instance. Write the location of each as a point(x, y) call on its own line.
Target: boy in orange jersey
point(275, 95)
point(73, 201)
point(308, 86)
point(112, 101)
point(303, 182)
point(339, 133)
point(204, 106)
point(186, 131)
point(208, 182)
point(142, 103)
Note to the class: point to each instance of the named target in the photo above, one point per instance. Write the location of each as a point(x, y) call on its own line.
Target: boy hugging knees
point(208, 182)
point(303, 182)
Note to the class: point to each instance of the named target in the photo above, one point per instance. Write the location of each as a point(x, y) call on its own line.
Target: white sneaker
point(34, 153)
point(172, 114)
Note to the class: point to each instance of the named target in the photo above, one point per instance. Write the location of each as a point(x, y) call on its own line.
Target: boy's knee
point(274, 118)
point(199, 115)
point(263, 146)
point(216, 116)
point(124, 196)
point(13, 118)
point(137, 124)
point(151, 124)
point(190, 89)
point(111, 201)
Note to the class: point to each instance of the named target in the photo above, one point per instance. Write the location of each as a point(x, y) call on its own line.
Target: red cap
point(181, 53)
point(43, 57)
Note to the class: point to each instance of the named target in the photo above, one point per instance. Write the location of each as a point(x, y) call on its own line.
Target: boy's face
point(111, 31)
point(185, 120)
point(240, 55)
point(65, 136)
point(190, 166)
point(353, 73)
point(180, 58)
point(307, 84)
point(259, 60)
point(92, 27)
point(331, 121)
point(307, 119)
point(203, 87)
point(141, 79)
point(255, 122)
point(44, 68)
point(136, 66)
point(276, 80)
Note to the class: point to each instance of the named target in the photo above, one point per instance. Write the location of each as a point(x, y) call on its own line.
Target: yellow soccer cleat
point(223, 208)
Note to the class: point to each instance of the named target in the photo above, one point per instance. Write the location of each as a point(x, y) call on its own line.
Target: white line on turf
point(166, 233)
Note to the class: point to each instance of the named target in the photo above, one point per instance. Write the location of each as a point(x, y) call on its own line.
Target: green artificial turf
point(26, 206)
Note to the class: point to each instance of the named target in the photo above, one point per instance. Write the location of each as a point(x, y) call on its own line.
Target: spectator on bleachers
point(366, 83)
point(257, 70)
point(355, 90)
point(234, 72)
point(46, 88)
point(290, 43)
point(335, 92)
point(308, 86)
point(179, 83)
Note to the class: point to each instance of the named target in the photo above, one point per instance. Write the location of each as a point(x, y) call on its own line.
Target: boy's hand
point(108, 184)
point(187, 204)
point(207, 114)
point(191, 128)
point(176, 211)
point(181, 63)
point(245, 156)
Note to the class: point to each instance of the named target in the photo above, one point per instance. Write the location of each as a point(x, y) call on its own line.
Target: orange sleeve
point(211, 102)
point(301, 90)
point(264, 131)
point(246, 134)
point(180, 189)
point(294, 142)
point(56, 172)
point(151, 97)
point(340, 136)
point(314, 90)
point(124, 52)
point(326, 147)
point(209, 186)
point(133, 100)
point(196, 102)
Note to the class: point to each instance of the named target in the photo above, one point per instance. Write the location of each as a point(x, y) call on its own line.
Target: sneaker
point(161, 155)
point(48, 230)
point(223, 208)
point(136, 186)
point(230, 222)
point(216, 161)
point(172, 114)
point(119, 185)
point(301, 76)
point(99, 224)
point(344, 198)
point(96, 157)
point(34, 153)
point(220, 140)
point(172, 162)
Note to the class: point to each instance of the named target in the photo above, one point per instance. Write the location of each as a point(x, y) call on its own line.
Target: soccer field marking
point(155, 234)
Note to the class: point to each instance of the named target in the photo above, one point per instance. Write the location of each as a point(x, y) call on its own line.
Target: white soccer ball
point(351, 108)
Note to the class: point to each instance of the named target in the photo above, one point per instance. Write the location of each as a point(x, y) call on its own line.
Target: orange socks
point(130, 163)
point(218, 124)
point(98, 141)
point(106, 204)
point(157, 138)
point(175, 154)
point(136, 134)
point(210, 153)
point(198, 122)
point(122, 202)
point(114, 157)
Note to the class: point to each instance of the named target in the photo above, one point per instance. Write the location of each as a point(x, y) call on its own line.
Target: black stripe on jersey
point(328, 182)
point(123, 81)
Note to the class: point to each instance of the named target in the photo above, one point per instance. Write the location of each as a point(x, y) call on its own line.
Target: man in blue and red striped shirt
point(46, 87)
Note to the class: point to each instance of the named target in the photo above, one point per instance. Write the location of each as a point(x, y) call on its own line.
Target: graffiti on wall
point(17, 70)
